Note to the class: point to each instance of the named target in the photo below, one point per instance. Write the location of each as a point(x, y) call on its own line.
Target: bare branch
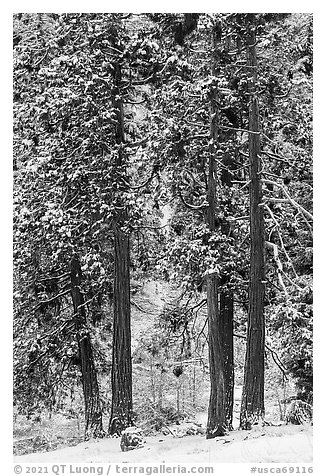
point(43, 58)
point(196, 136)
point(56, 330)
point(200, 333)
point(289, 199)
point(139, 308)
point(47, 301)
point(237, 129)
point(52, 278)
point(199, 307)
point(274, 354)
point(278, 263)
point(277, 226)
point(271, 155)
point(273, 284)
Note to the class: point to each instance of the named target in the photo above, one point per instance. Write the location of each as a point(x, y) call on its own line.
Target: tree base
point(247, 422)
point(216, 432)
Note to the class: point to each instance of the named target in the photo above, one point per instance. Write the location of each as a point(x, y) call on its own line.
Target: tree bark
point(219, 306)
point(252, 404)
point(121, 374)
point(217, 424)
point(219, 303)
point(220, 329)
point(93, 409)
point(227, 312)
point(227, 305)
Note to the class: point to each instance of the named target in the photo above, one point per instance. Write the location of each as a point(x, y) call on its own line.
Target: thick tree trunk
point(93, 410)
point(219, 309)
point(252, 405)
point(217, 424)
point(121, 374)
point(220, 325)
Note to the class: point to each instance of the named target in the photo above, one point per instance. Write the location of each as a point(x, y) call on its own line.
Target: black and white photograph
point(162, 241)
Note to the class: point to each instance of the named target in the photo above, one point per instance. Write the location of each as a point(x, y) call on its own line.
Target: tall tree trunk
point(121, 373)
point(219, 307)
point(252, 405)
point(93, 410)
point(226, 317)
point(226, 303)
point(217, 424)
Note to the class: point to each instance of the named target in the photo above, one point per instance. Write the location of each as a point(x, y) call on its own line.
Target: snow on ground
point(270, 445)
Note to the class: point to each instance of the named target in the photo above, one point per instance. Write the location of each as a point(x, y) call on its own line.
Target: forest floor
point(283, 444)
